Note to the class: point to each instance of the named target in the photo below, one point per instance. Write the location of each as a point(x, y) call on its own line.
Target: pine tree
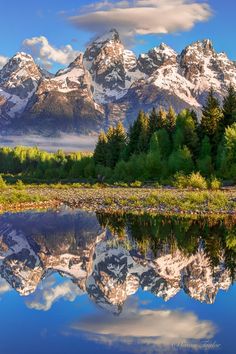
point(178, 138)
point(230, 151)
point(133, 136)
point(153, 122)
point(195, 117)
point(204, 162)
point(100, 152)
point(186, 132)
point(162, 121)
point(154, 160)
point(211, 115)
point(171, 119)
point(116, 144)
point(181, 161)
point(139, 135)
point(164, 142)
point(144, 136)
point(229, 107)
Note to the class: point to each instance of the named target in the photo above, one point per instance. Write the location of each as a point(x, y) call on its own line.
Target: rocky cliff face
point(109, 83)
point(31, 247)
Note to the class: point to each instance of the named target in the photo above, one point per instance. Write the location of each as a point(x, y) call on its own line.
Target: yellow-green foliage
point(194, 180)
point(19, 185)
point(2, 183)
point(214, 183)
point(136, 184)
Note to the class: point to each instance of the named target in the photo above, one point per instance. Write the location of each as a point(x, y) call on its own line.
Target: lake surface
point(75, 282)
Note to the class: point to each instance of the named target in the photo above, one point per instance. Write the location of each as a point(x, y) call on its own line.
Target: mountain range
point(108, 83)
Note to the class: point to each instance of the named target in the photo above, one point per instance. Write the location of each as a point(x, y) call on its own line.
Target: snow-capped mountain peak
point(109, 83)
point(109, 36)
point(156, 57)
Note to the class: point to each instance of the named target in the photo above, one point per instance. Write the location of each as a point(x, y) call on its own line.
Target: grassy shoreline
point(113, 200)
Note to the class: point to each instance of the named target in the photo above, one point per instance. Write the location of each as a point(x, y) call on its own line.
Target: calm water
point(73, 282)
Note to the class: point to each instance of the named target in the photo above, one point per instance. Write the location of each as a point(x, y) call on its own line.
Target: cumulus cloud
point(47, 54)
point(4, 287)
point(50, 292)
point(3, 60)
point(152, 328)
point(141, 17)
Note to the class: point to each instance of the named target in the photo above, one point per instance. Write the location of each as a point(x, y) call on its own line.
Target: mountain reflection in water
point(111, 257)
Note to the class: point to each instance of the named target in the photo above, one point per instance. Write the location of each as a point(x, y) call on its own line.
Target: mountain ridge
point(108, 83)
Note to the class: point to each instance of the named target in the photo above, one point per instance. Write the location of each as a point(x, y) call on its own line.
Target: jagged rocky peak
point(130, 60)
point(196, 59)
point(19, 66)
point(19, 79)
point(77, 64)
point(200, 48)
point(19, 59)
point(109, 39)
point(111, 67)
point(156, 57)
point(109, 36)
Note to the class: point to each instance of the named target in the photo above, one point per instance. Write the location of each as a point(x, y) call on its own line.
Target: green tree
point(153, 122)
point(116, 140)
point(204, 162)
point(100, 152)
point(164, 142)
point(211, 115)
point(171, 119)
point(229, 107)
point(144, 136)
point(162, 120)
point(154, 159)
point(181, 161)
point(229, 153)
point(186, 132)
point(139, 135)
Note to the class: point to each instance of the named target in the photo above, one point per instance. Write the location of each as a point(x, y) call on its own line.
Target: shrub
point(136, 184)
point(19, 185)
point(121, 184)
point(214, 183)
point(2, 183)
point(180, 180)
point(195, 180)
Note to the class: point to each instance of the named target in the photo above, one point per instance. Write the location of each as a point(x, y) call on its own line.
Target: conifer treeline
point(156, 146)
point(162, 143)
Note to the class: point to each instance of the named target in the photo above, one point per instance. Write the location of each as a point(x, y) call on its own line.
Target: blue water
point(67, 311)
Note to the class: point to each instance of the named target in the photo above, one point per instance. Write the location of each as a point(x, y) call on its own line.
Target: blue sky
point(27, 19)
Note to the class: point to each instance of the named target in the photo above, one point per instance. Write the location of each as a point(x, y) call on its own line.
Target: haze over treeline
point(66, 142)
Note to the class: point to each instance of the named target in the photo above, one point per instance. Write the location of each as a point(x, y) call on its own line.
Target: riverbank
point(149, 200)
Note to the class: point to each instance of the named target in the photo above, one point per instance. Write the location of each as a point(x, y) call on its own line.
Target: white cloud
point(47, 54)
point(152, 328)
point(142, 16)
point(49, 293)
point(3, 60)
point(4, 286)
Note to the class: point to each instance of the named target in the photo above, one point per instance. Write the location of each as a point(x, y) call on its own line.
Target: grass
point(202, 201)
point(101, 197)
point(15, 196)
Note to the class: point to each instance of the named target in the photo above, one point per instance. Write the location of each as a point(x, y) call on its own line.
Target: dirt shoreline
point(130, 200)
